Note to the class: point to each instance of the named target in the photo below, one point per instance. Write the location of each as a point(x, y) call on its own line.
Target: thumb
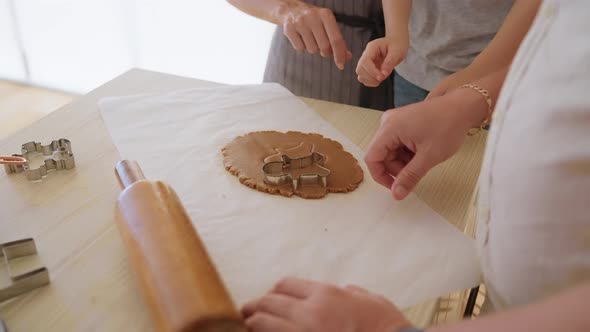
point(410, 175)
point(391, 60)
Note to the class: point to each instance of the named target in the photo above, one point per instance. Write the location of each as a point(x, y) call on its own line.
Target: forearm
point(397, 16)
point(269, 10)
point(501, 50)
point(471, 105)
point(566, 311)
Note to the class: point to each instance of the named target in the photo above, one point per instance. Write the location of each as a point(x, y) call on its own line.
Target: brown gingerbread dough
point(245, 155)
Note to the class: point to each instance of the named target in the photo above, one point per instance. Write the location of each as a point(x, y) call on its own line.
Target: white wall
point(74, 44)
point(77, 45)
point(10, 61)
point(204, 39)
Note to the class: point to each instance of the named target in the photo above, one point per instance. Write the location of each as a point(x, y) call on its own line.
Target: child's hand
point(379, 59)
point(453, 81)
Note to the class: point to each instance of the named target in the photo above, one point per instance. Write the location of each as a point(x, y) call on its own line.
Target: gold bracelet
point(488, 119)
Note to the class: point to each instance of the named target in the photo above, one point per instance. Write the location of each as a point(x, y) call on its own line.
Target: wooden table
point(92, 288)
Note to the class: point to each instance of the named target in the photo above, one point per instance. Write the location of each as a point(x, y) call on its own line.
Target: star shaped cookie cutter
point(294, 170)
point(60, 151)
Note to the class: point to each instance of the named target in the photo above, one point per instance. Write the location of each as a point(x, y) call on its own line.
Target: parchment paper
point(403, 250)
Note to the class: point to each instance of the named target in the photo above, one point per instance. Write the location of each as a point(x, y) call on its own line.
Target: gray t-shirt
point(445, 36)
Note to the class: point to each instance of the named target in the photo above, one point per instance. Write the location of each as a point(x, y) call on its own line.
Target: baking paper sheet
point(403, 250)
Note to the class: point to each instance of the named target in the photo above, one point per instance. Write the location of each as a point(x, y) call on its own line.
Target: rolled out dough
point(245, 155)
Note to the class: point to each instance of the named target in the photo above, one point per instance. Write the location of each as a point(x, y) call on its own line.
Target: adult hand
point(315, 29)
point(415, 138)
point(380, 58)
point(297, 305)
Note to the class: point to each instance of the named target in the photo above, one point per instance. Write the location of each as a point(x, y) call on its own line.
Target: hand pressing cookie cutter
point(24, 282)
point(288, 171)
point(62, 148)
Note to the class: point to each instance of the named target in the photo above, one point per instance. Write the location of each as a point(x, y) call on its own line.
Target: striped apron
point(310, 75)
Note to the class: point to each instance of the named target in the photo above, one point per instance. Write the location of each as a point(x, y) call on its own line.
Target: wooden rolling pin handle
point(128, 172)
point(181, 286)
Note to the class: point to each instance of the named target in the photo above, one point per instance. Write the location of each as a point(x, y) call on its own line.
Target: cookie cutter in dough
point(3, 327)
point(22, 282)
point(61, 154)
point(287, 171)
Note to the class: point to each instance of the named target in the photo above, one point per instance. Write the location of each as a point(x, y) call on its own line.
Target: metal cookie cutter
point(23, 282)
point(60, 151)
point(297, 171)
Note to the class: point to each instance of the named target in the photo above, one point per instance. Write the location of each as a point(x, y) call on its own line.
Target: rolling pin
point(181, 286)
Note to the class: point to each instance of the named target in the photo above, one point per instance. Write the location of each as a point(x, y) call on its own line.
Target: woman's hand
point(297, 305)
point(415, 138)
point(380, 58)
point(315, 29)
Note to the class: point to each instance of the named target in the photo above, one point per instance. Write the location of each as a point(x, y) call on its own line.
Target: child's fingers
point(365, 78)
point(391, 60)
point(359, 65)
point(366, 61)
point(366, 81)
point(372, 70)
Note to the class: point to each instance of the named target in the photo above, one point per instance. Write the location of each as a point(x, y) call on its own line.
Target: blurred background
point(77, 45)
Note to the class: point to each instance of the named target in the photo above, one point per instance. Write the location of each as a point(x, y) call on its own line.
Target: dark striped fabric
point(316, 77)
